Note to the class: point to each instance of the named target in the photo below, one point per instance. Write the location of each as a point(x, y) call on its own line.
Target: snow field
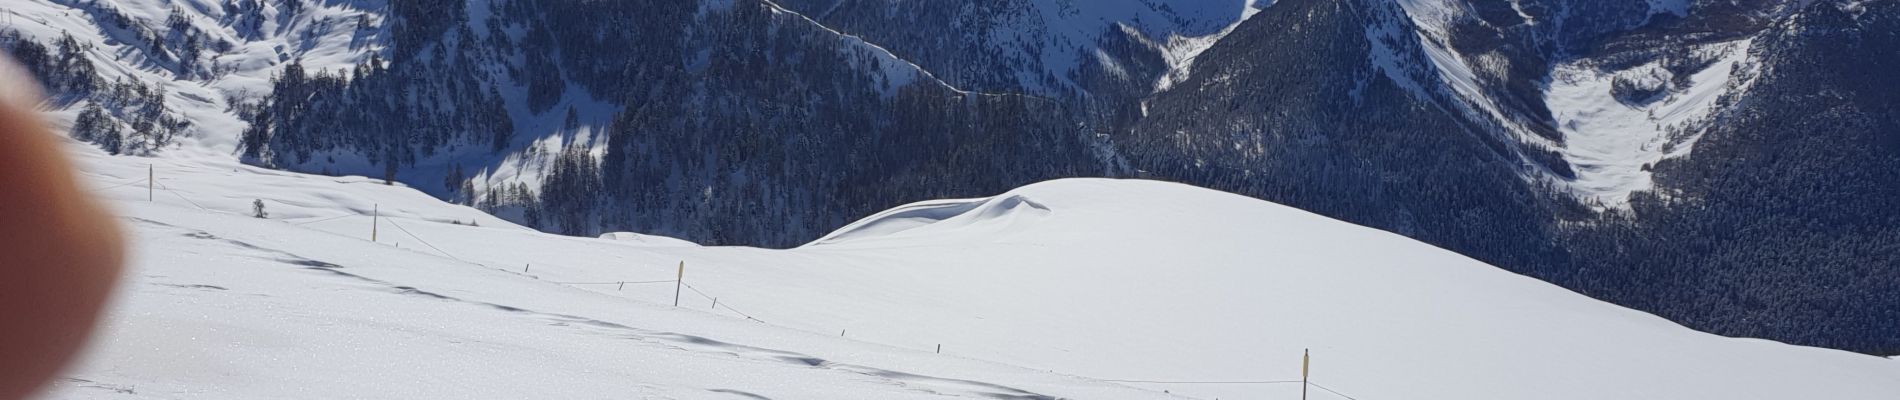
point(1051, 289)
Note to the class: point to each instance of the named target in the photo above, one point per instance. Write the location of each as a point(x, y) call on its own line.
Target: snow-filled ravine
point(1061, 289)
point(1614, 142)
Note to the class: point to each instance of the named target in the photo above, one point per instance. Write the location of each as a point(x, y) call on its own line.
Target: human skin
point(60, 253)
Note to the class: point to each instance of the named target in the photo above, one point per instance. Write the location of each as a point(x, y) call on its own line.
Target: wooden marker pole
point(1306, 361)
point(151, 183)
point(679, 280)
point(375, 219)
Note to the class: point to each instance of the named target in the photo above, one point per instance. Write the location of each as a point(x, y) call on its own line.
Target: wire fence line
point(1335, 392)
point(696, 291)
point(392, 221)
point(728, 306)
point(1198, 382)
point(689, 287)
point(611, 283)
point(141, 180)
point(327, 219)
point(1307, 382)
point(425, 242)
point(161, 185)
point(432, 246)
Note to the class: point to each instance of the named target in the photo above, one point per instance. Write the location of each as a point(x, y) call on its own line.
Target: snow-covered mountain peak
point(1181, 30)
point(1156, 19)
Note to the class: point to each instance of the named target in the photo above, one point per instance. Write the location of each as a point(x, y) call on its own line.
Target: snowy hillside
point(207, 60)
point(1629, 150)
point(1544, 75)
point(1053, 48)
point(223, 305)
point(1619, 125)
point(1048, 291)
point(200, 57)
point(1725, 164)
point(477, 102)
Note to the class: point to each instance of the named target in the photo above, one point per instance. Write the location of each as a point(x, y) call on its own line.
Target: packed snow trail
point(1071, 283)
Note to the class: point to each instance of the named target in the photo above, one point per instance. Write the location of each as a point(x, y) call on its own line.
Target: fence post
point(151, 183)
point(940, 348)
point(678, 281)
point(715, 306)
point(623, 286)
point(375, 219)
point(524, 267)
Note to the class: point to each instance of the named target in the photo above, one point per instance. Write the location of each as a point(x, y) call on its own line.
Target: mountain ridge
point(1596, 145)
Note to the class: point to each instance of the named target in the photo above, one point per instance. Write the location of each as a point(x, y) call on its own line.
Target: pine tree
point(453, 181)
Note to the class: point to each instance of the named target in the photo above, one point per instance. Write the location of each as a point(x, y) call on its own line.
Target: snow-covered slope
point(218, 304)
point(1546, 77)
point(1048, 48)
point(476, 102)
point(1073, 282)
point(234, 50)
point(1181, 29)
point(1614, 141)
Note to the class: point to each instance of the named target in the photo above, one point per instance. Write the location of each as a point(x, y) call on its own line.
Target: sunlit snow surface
point(321, 36)
point(1040, 291)
point(223, 305)
point(1608, 143)
point(1611, 143)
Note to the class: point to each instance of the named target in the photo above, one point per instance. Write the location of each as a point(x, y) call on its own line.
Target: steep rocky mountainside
point(1725, 164)
point(1782, 222)
point(737, 123)
point(723, 122)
